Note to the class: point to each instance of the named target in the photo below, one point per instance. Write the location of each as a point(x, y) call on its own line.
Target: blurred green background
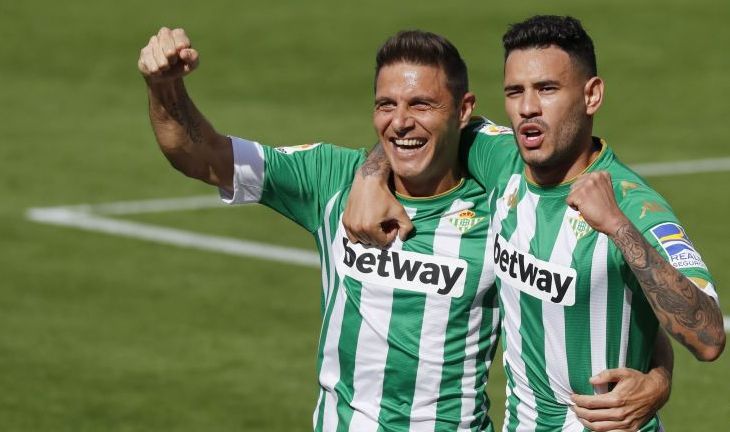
point(99, 332)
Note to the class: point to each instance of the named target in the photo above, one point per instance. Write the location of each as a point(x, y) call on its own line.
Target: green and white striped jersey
point(570, 305)
point(408, 332)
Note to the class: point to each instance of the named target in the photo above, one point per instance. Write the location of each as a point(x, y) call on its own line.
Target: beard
point(563, 145)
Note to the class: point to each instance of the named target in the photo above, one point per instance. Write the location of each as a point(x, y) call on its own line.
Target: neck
point(567, 169)
point(414, 188)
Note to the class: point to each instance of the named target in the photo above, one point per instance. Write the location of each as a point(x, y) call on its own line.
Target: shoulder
point(641, 203)
point(481, 129)
point(321, 149)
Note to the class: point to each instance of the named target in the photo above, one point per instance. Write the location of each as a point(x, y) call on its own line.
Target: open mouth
point(408, 144)
point(531, 134)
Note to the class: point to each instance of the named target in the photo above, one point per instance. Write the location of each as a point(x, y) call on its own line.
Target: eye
point(512, 92)
point(548, 89)
point(385, 106)
point(421, 106)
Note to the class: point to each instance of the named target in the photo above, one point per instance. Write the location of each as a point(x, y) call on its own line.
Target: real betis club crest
point(465, 221)
point(580, 226)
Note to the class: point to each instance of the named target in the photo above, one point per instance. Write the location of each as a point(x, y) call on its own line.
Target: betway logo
point(538, 278)
point(401, 269)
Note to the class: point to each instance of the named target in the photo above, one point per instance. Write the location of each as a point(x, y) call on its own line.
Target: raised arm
point(635, 396)
point(690, 316)
point(185, 137)
point(373, 216)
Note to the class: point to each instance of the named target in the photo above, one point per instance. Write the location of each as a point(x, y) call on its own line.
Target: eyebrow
point(543, 83)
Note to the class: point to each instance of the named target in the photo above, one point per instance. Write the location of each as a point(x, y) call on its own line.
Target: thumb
point(607, 376)
point(405, 226)
point(190, 57)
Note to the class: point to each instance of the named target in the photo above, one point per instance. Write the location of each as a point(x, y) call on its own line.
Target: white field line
point(78, 218)
point(682, 167)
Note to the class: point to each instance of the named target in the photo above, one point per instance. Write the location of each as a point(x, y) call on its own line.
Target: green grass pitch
point(103, 333)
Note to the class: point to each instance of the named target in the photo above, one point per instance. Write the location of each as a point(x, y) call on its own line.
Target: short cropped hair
point(427, 49)
point(543, 31)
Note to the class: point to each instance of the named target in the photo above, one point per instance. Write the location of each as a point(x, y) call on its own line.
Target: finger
point(365, 238)
point(606, 400)
point(141, 62)
point(601, 414)
point(608, 376)
point(191, 59)
point(148, 58)
point(572, 201)
point(405, 226)
point(181, 39)
point(159, 56)
point(380, 239)
point(390, 237)
point(351, 236)
point(167, 45)
point(603, 426)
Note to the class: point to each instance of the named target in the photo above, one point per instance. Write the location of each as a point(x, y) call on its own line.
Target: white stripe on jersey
point(376, 304)
point(572, 424)
point(315, 416)
point(625, 325)
point(526, 414)
point(324, 259)
point(597, 307)
point(329, 373)
point(468, 381)
point(553, 317)
point(327, 248)
point(446, 242)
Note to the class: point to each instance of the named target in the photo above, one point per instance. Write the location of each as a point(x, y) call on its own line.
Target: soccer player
point(408, 331)
point(588, 258)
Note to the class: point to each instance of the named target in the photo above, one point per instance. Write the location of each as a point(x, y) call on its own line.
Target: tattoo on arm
point(181, 108)
point(692, 317)
point(376, 163)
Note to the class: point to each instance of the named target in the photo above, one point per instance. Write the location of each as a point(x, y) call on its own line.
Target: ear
point(593, 93)
point(468, 102)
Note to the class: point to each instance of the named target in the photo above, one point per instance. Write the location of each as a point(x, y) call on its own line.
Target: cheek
point(380, 123)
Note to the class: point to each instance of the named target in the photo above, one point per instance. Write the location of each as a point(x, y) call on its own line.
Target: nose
point(530, 105)
point(402, 121)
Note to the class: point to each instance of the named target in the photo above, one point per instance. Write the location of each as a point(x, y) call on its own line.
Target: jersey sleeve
point(294, 181)
point(489, 150)
point(654, 218)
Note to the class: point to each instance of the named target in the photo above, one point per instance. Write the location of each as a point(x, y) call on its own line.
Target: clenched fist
point(167, 56)
point(593, 196)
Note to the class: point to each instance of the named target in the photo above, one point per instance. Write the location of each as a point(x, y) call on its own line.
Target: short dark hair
point(542, 31)
point(428, 49)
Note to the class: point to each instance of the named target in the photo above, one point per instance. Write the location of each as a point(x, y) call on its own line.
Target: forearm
point(687, 314)
point(373, 216)
point(376, 166)
point(186, 138)
point(662, 367)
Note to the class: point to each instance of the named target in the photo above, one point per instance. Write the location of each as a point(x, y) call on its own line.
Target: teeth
point(408, 142)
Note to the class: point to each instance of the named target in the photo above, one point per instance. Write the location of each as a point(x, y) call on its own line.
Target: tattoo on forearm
point(181, 109)
point(375, 162)
point(684, 312)
point(177, 105)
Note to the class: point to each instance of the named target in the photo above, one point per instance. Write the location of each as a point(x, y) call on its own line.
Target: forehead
point(404, 77)
point(540, 64)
